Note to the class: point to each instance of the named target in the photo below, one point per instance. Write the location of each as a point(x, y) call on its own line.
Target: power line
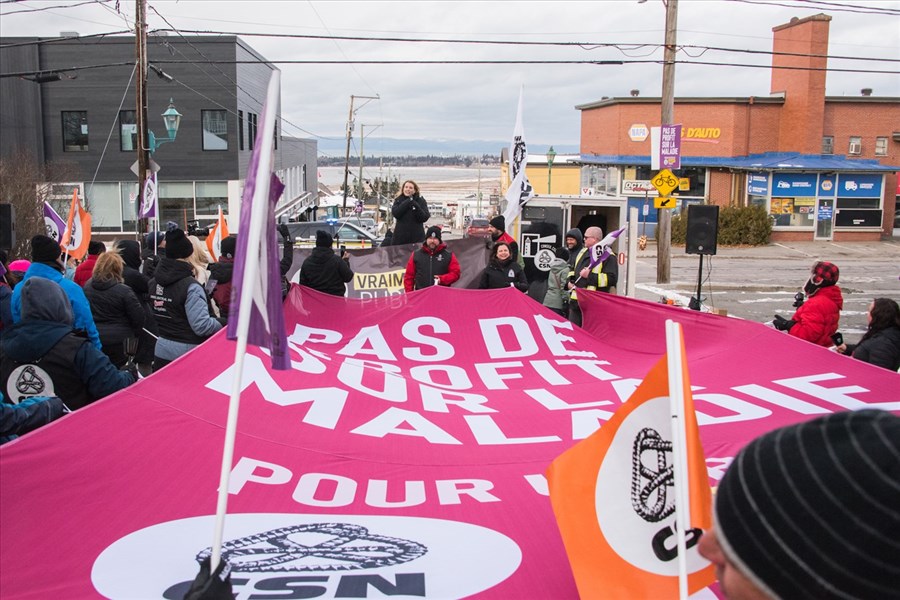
point(835, 7)
point(43, 8)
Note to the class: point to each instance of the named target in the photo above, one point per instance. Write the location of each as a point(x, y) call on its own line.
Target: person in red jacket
point(817, 319)
point(84, 271)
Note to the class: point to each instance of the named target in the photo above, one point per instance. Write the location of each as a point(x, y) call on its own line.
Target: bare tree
point(23, 183)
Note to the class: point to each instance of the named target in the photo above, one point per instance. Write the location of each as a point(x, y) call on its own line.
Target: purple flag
point(601, 250)
point(147, 204)
point(266, 312)
point(54, 223)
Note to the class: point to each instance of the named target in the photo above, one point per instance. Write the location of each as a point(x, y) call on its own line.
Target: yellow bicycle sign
point(664, 182)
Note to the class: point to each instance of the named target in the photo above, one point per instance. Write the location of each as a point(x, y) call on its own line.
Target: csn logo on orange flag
point(614, 501)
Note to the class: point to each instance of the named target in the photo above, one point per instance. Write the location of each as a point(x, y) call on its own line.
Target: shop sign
point(758, 184)
point(859, 186)
point(637, 186)
point(827, 186)
point(638, 132)
point(794, 184)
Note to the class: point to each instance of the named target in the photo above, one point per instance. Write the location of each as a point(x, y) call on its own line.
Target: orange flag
point(215, 237)
point(614, 501)
point(77, 235)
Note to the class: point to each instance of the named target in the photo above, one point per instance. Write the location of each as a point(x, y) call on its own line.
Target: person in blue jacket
point(28, 415)
point(42, 355)
point(45, 263)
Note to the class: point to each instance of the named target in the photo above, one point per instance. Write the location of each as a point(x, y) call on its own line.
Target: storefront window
point(103, 204)
point(128, 193)
point(176, 202)
point(793, 212)
point(210, 196)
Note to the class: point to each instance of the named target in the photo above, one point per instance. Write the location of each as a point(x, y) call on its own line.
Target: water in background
point(438, 184)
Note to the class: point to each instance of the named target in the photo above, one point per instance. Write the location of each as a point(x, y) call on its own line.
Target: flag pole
point(251, 278)
point(679, 448)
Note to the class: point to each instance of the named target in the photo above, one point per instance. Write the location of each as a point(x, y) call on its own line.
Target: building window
point(855, 145)
point(881, 146)
point(215, 129)
point(828, 144)
point(240, 130)
point(251, 128)
point(75, 130)
point(128, 137)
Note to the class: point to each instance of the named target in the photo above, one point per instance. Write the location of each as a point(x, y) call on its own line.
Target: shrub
point(738, 226)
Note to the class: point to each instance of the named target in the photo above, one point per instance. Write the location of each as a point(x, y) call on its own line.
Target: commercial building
point(74, 103)
point(824, 168)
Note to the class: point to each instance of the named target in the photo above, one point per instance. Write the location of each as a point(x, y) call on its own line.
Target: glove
point(211, 586)
point(283, 230)
point(782, 324)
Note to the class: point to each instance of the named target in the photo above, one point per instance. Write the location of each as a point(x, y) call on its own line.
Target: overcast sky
point(479, 101)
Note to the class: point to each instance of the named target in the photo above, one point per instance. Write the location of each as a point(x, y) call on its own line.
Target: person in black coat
point(502, 270)
point(410, 212)
point(880, 345)
point(116, 309)
point(323, 270)
point(130, 251)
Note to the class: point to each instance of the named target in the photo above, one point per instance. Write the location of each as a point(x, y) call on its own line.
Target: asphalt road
point(756, 283)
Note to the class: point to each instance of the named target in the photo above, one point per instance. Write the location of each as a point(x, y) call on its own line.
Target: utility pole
point(664, 245)
point(362, 139)
point(350, 137)
point(143, 135)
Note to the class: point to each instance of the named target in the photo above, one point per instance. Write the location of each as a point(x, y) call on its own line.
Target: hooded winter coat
point(130, 251)
point(881, 350)
point(42, 355)
point(80, 307)
point(325, 271)
point(557, 290)
point(501, 274)
point(117, 313)
point(817, 320)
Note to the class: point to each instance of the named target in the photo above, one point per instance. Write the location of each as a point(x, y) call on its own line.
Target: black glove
point(131, 368)
point(283, 230)
point(216, 586)
point(782, 324)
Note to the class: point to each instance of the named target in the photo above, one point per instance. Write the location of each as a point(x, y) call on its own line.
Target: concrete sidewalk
point(831, 251)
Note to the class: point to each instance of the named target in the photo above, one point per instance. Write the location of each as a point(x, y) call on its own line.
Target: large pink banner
point(403, 455)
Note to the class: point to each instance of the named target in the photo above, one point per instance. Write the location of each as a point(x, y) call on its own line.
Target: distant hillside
point(375, 146)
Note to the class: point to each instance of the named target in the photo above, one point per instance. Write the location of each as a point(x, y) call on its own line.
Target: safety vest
point(602, 278)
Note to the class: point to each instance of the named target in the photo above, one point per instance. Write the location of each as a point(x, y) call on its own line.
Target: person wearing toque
point(811, 512)
point(323, 270)
point(817, 319)
point(180, 307)
point(497, 229)
point(46, 262)
point(432, 264)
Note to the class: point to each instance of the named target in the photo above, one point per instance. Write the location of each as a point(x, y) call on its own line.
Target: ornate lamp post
point(551, 155)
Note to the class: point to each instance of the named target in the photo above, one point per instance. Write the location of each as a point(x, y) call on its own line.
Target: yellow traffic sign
point(668, 202)
point(684, 184)
point(664, 182)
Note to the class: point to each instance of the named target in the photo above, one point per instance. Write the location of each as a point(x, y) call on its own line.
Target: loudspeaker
point(7, 226)
point(702, 229)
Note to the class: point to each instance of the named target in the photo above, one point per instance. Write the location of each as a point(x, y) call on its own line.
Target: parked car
point(345, 234)
point(478, 228)
point(366, 223)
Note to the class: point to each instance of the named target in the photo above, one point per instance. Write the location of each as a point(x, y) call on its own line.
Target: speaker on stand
point(701, 238)
point(7, 226)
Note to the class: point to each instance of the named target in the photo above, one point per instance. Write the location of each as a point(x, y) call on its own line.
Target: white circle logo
point(26, 381)
point(543, 258)
point(634, 497)
point(331, 555)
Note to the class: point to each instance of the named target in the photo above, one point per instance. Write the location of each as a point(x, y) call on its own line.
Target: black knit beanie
point(177, 244)
point(499, 222)
point(433, 231)
point(323, 239)
point(813, 510)
point(228, 247)
point(44, 249)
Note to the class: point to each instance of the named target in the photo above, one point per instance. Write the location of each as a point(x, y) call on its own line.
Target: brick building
point(823, 167)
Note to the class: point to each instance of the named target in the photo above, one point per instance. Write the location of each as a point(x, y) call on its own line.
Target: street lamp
point(551, 154)
point(172, 119)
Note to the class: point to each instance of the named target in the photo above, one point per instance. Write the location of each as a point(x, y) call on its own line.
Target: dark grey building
point(74, 102)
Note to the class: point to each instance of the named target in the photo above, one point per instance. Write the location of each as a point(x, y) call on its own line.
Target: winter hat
point(160, 238)
point(19, 265)
point(827, 272)
point(811, 511)
point(561, 252)
point(433, 231)
point(177, 244)
point(228, 247)
point(95, 247)
point(44, 249)
point(576, 235)
point(170, 225)
point(45, 300)
point(323, 239)
point(499, 222)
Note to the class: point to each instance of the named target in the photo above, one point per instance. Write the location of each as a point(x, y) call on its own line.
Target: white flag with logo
point(520, 190)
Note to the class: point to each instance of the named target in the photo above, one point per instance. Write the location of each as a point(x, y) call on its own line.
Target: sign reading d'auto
point(638, 132)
